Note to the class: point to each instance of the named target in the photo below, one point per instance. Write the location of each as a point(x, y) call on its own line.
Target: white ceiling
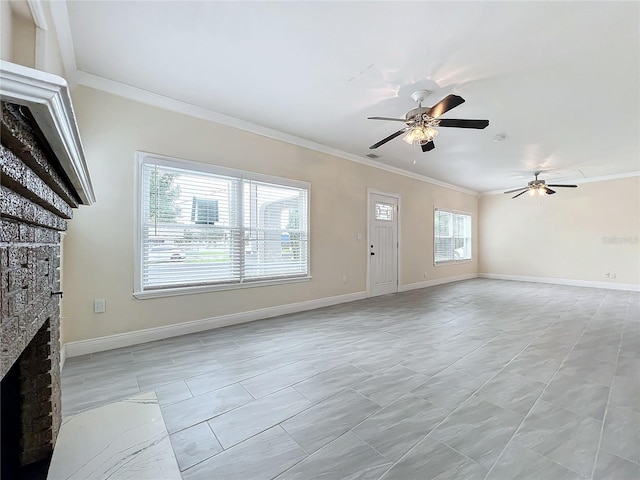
point(561, 80)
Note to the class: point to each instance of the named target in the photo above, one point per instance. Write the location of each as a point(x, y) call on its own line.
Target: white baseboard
point(564, 281)
point(83, 347)
point(436, 281)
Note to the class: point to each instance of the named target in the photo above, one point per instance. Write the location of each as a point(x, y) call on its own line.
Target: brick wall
point(35, 201)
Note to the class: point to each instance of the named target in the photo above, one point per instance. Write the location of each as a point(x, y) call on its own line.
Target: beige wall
point(569, 235)
point(18, 37)
point(6, 31)
point(99, 246)
point(18, 41)
point(24, 41)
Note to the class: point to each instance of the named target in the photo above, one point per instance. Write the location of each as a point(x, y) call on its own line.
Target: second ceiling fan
point(420, 122)
point(538, 187)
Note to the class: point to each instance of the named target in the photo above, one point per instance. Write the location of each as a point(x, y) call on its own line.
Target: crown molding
point(60, 16)
point(178, 106)
point(579, 181)
point(37, 12)
point(48, 100)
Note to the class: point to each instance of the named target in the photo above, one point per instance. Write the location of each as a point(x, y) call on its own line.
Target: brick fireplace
point(43, 176)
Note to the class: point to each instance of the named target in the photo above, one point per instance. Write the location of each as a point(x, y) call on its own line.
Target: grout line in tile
point(606, 408)
point(470, 395)
point(543, 390)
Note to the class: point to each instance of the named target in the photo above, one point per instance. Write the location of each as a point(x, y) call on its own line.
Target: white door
point(383, 244)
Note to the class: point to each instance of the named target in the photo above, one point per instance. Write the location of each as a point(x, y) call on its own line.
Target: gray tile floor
point(477, 379)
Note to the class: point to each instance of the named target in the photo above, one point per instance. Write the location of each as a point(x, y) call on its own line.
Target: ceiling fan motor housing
point(416, 114)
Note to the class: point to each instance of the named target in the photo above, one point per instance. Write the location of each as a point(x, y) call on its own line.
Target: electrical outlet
point(99, 305)
point(607, 275)
point(345, 279)
point(613, 275)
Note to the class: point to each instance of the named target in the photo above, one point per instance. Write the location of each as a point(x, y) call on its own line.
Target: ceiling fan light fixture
point(420, 134)
point(537, 190)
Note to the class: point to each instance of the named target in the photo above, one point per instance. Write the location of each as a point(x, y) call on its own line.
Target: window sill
point(172, 292)
point(451, 262)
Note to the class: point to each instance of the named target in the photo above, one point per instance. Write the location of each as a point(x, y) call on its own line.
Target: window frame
point(452, 261)
point(146, 158)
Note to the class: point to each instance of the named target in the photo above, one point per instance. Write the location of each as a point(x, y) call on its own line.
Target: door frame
point(397, 196)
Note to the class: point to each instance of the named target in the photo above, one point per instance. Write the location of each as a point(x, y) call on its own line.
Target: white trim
point(60, 16)
point(40, 21)
point(603, 178)
point(48, 99)
point(436, 281)
point(174, 162)
point(172, 292)
point(41, 49)
point(137, 222)
point(37, 13)
point(167, 103)
point(63, 356)
point(564, 281)
point(83, 347)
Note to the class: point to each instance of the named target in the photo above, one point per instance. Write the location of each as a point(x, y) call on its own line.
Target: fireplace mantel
point(47, 97)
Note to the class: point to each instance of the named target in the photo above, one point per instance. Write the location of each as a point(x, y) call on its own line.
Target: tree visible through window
point(201, 225)
point(163, 197)
point(451, 236)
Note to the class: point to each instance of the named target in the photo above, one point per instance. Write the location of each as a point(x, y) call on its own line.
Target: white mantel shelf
point(47, 97)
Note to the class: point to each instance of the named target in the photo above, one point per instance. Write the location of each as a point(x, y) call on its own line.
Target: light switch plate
point(99, 305)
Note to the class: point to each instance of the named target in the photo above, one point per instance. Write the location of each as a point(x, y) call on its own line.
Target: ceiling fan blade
point(444, 105)
point(521, 193)
point(385, 140)
point(516, 190)
point(566, 186)
point(426, 147)
point(387, 118)
point(548, 191)
point(451, 122)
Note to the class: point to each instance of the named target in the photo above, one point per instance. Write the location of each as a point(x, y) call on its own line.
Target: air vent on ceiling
point(372, 155)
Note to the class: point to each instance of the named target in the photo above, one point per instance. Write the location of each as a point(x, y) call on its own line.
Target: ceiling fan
point(538, 187)
point(422, 120)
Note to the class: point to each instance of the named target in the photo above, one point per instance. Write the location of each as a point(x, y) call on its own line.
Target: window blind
point(200, 228)
point(452, 236)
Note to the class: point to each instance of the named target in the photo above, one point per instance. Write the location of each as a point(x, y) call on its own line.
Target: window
point(451, 236)
point(202, 227)
point(384, 211)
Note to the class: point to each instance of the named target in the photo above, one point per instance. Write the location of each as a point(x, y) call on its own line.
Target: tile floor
point(478, 379)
